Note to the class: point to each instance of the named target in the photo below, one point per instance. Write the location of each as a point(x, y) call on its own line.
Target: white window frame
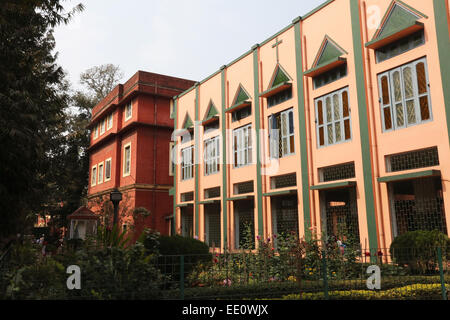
point(101, 172)
point(110, 120)
point(285, 135)
point(125, 173)
point(128, 109)
point(333, 121)
point(187, 163)
point(96, 131)
point(94, 176)
point(110, 169)
point(242, 150)
point(211, 156)
point(416, 96)
point(102, 126)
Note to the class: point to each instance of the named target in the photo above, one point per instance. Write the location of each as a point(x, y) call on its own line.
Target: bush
point(418, 250)
point(178, 245)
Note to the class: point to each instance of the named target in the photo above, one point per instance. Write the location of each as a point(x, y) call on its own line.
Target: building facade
point(338, 125)
point(130, 151)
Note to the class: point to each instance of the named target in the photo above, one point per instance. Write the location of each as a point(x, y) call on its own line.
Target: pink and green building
point(337, 124)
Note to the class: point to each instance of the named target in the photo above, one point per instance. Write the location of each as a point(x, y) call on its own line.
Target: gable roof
point(329, 50)
point(279, 76)
point(187, 123)
point(398, 16)
point(240, 96)
point(211, 111)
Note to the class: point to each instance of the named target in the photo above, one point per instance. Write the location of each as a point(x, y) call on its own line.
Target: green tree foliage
point(32, 99)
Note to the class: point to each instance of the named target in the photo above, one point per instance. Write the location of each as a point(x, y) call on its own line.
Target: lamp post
point(115, 197)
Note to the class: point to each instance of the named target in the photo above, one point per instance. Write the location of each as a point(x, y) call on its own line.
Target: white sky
point(189, 39)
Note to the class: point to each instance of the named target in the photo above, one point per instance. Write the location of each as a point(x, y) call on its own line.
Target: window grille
point(417, 205)
point(244, 187)
point(241, 114)
point(188, 196)
point(279, 97)
point(212, 193)
point(212, 225)
point(212, 156)
point(338, 172)
point(400, 46)
point(413, 160)
point(285, 215)
point(330, 76)
point(284, 181)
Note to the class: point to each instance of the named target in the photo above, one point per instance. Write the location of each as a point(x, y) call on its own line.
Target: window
point(212, 193)
point(100, 173)
point(108, 169)
point(243, 187)
point(96, 131)
point(333, 118)
point(279, 97)
point(405, 98)
point(284, 181)
point(241, 114)
point(242, 146)
point(110, 121)
point(400, 46)
point(102, 126)
point(187, 136)
point(281, 134)
point(171, 160)
point(127, 160)
point(330, 76)
point(128, 111)
point(187, 163)
point(211, 156)
point(94, 176)
point(337, 172)
point(413, 160)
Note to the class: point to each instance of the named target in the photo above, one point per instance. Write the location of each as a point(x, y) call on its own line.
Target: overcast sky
point(183, 38)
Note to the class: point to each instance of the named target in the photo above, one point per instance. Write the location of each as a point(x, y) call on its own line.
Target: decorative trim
point(272, 91)
point(242, 198)
point(328, 186)
point(364, 124)
point(336, 62)
point(408, 176)
point(259, 200)
point(443, 44)
point(302, 131)
point(393, 36)
point(280, 193)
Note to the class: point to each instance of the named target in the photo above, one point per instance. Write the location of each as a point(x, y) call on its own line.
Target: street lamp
point(115, 197)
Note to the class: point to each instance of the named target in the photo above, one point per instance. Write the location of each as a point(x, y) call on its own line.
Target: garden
point(282, 267)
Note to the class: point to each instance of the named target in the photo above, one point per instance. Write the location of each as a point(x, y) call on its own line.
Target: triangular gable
point(328, 51)
point(240, 96)
point(211, 111)
point(187, 123)
point(399, 16)
point(279, 76)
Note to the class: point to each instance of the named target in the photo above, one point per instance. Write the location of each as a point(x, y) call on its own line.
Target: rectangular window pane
point(387, 118)
point(424, 108)
point(320, 112)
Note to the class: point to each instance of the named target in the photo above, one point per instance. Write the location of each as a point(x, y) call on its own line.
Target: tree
point(32, 99)
point(101, 80)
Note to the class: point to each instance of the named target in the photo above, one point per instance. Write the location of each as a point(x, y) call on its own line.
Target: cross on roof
point(277, 43)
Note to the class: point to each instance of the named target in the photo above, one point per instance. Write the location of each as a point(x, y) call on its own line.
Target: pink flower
point(227, 282)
